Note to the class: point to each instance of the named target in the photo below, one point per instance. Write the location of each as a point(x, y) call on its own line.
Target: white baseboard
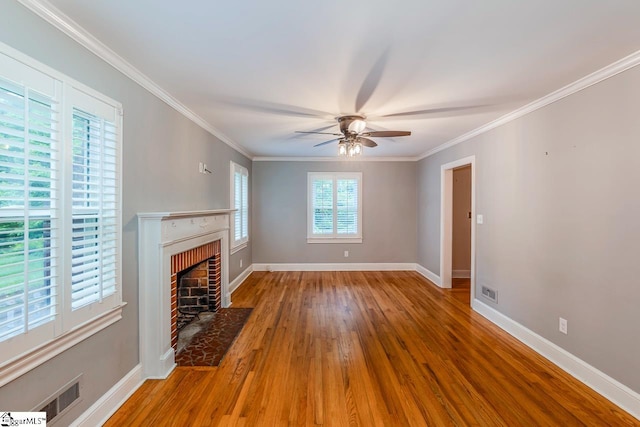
point(372, 266)
point(461, 274)
point(235, 283)
point(600, 382)
point(429, 275)
point(109, 403)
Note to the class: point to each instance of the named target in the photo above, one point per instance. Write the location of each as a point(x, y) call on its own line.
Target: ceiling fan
point(352, 136)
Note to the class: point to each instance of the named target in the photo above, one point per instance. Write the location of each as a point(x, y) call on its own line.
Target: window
point(59, 209)
point(334, 212)
point(239, 201)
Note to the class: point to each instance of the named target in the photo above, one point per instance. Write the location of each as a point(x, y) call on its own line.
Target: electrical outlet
point(563, 325)
point(241, 262)
point(479, 219)
point(200, 167)
point(346, 254)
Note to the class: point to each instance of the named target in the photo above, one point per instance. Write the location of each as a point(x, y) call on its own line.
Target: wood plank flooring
point(367, 349)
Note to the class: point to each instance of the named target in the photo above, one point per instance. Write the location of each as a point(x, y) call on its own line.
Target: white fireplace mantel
point(161, 235)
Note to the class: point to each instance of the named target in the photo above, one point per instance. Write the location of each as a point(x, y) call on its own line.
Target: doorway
point(457, 226)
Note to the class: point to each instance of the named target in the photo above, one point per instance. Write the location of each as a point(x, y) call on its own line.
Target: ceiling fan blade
point(387, 133)
point(371, 81)
point(326, 142)
point(469, 109)
point(366, 142)
point(273, 107)
point(323, 128)
point(320, 133)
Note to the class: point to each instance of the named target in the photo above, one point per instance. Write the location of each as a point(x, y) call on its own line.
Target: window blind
point(60, 226)
point(323, 206)
point(240, 202)
point(94, 209)
point(334, 206)
point(29, 173)
point(347, 206)
point(245, 206)
point(237, 205)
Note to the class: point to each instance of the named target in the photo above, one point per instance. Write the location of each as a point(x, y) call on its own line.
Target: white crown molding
point(55, 17)
point(583, 83)
point(603, 384)
point(334, 159)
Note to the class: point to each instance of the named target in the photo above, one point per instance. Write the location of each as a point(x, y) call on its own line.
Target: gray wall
point(558, 189)
point(160, 165)
point(280, 213)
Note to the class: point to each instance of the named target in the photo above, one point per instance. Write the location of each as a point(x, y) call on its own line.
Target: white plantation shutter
point(334, 207)
point(237, 185)
point(244, 211)
point(60, 222)
point(94, 209)
point(322, 195)
point(347, 206)
point(240, 201)
point(29, 172)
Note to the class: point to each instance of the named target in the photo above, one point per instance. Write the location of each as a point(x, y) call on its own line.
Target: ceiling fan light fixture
point(342, 148)
point(349, 148)
point(357, 126)
point(353, 138)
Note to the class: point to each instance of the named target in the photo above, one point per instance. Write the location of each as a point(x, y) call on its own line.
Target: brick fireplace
point(168, 243)
point(195, 285)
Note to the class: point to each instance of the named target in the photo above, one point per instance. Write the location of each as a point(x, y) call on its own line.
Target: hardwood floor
point(461, 290)
point(367, 349)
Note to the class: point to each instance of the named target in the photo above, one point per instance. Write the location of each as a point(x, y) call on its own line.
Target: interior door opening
point(457, 227)
point(461, 233)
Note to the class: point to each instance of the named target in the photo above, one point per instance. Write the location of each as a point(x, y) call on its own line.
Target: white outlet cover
point(346, 254)
point(562, 326)
point(479, 219)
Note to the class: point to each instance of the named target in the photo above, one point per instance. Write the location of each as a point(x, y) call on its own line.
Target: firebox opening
point(193, 293)
point(196, 285)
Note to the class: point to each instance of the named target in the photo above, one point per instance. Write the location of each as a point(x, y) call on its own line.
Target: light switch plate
point(479, 219)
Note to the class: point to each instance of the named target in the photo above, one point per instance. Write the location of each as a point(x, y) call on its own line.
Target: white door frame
point(446, 220)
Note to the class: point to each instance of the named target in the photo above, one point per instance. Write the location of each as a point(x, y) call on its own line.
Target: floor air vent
point(62, 400)
point(490, 294)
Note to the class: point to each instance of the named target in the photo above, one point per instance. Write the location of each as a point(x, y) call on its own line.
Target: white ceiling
point(260, 70)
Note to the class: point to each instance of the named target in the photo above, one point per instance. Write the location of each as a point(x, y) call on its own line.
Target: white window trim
point(334, 238)
point(71, 334)
point(25, 362)
point(236, 245)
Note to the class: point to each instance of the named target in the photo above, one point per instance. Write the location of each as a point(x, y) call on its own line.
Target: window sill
point(334, 239)
point(241, 246)
point(34, 358)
